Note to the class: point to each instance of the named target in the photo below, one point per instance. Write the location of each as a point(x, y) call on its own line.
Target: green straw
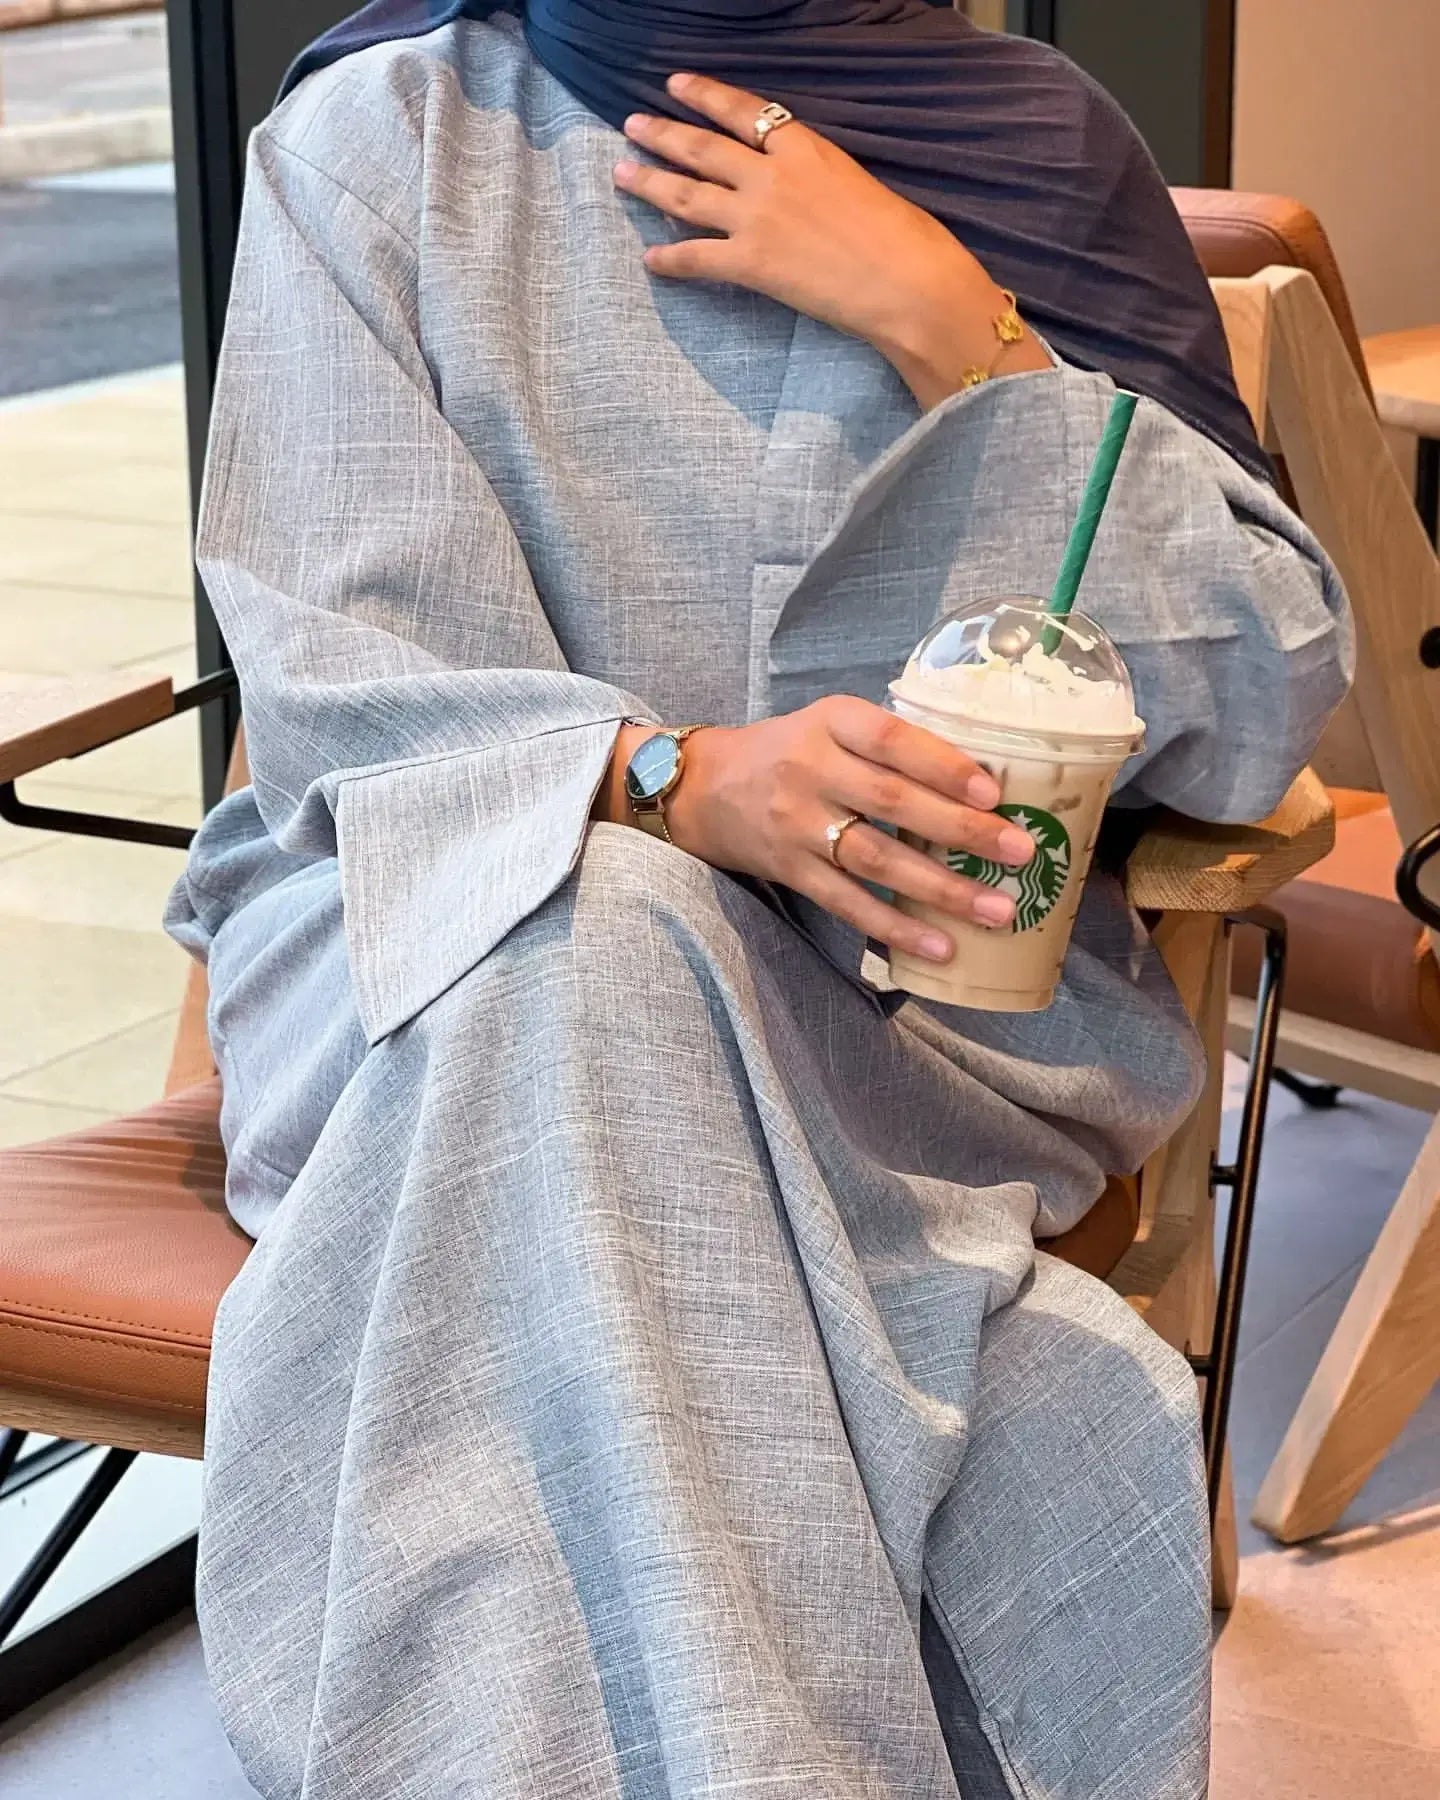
point(1087, 520)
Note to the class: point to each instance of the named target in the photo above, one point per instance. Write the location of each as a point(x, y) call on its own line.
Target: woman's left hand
point(805, 224)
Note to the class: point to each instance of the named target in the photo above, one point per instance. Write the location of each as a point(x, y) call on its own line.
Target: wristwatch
point(652, 773)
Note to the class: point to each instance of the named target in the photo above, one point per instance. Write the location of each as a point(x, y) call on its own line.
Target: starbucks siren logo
point(1037, 886)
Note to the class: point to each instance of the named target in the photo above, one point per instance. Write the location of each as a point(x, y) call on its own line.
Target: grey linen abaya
point(645, 1384)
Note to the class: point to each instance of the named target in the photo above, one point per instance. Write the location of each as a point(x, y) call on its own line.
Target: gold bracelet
point(1009, 328)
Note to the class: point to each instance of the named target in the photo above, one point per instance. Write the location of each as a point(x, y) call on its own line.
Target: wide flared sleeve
point(1232, 620)
point(407, 705)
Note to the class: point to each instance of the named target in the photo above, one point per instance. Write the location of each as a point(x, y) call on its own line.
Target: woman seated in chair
point(645, 1382)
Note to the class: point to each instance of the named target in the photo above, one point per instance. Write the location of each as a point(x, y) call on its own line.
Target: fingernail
point(1015, 846)
point(624, 170)
point(994, 909)
point(679, 81)
point(636, 123)
point(982, 790)
point(936, 947)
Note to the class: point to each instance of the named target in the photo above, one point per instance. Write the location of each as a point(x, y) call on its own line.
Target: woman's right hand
point(756, 799)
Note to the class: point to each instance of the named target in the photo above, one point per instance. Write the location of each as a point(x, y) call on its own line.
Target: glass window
point(95, 576)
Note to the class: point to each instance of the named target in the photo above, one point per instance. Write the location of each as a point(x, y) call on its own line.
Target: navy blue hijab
point(1032, 166)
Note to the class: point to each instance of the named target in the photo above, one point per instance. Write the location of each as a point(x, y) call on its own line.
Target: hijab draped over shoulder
point(1031, 164)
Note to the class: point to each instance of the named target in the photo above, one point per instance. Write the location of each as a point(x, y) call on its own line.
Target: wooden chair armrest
point(1181, 865)
point(46, 717)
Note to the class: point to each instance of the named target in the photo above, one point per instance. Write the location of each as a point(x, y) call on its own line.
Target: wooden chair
point(1364, 1007)
point(1363, 985)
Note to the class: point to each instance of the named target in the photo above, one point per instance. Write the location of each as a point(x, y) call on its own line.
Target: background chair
point(1363, 991)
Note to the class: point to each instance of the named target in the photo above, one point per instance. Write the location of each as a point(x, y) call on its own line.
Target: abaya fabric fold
point(1031, 164)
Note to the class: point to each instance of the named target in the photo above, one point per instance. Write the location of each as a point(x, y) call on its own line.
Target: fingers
point(694, 259)
point(881, 793)
point(719, 159)
point(872, 855)
point(869, 731)
point(838, 894)
point(699, 203)
point(733, 108)
point(706, 197)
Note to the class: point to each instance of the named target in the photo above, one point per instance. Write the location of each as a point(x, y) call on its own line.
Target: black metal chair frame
point(18, 1469)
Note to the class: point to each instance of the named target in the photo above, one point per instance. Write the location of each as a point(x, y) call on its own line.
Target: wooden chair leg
point(1382, 1360)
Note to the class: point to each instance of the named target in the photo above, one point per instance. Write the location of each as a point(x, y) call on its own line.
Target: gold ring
point(771, 118)
point(834, 833)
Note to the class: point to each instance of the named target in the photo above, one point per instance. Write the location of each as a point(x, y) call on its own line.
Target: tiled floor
point(94, 574)
point(1328, 1672)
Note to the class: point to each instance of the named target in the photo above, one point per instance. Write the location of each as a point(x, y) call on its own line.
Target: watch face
point(652, 768)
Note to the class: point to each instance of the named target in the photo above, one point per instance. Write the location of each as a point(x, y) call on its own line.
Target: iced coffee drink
point(1045, 706)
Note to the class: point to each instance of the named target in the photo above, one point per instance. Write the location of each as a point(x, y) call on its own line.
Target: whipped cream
point(1033, 692)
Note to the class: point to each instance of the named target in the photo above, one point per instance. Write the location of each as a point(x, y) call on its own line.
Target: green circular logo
point(1037, 886)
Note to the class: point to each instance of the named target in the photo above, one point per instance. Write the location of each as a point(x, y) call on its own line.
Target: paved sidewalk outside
point(93, 66)
point(83, 96)
point(94, 574)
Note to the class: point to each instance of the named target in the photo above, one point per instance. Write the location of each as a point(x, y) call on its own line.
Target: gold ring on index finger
point(771, 118)
point(835, 834)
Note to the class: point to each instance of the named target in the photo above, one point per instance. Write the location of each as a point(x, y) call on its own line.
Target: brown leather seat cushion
point(1241, 234)
point(115, 1247)
point(1356, 957)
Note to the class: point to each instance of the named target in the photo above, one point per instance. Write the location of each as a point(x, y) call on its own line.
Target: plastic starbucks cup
point(1046, 706)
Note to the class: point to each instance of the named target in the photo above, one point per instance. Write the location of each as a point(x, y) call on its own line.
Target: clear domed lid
point(1009, 664)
